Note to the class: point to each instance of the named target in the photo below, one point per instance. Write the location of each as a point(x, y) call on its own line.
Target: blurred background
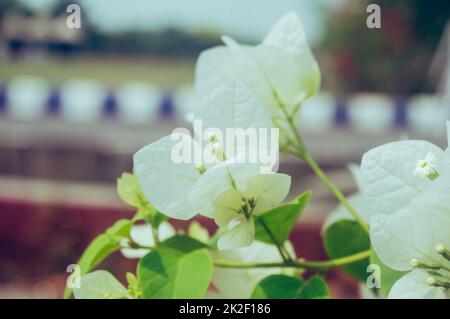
point(75, 104)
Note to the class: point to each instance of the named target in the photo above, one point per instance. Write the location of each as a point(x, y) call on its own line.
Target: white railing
point(83, 101)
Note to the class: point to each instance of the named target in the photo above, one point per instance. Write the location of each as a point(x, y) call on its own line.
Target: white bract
point(100, 284)
point(406, 186)
point(230, 190)
point(143, 236)
point(240, 283)
point(281, 70)
point(232, 194)
point(164, 172)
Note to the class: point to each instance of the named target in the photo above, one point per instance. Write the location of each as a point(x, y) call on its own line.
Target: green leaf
point(388, 275)
point(287, 287)
point(183, 244)
point(346, 237)
point(129, 190)
point(133, 285)
point(281, 220)
point(100, 284)
point(131, 193)
point(101, 247)
point(167, 273)
point(315, 288)
point(119, 230)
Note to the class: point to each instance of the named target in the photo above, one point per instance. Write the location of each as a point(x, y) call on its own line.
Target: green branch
point(283, 253)
point(335, 190)
point(314, 265)
point(300, 152)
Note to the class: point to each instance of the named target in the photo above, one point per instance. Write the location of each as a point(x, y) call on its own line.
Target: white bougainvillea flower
point(165, 181)
point(240, 283)
point(230, 190)
point(410, 214)
point(426, 166)
point(387, 173)
point(282, 70)
point(143, 236)
point(232, 194)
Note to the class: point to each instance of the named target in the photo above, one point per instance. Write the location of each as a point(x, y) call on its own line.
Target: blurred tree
point(167, 42)
point(13, 6)
point(393, 59)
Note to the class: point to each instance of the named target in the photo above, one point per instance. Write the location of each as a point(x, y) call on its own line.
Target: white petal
point(216, 180)
point(100, 284)
point(270, 69)
point(415, 230)
point(289, 78)
point(264, 68)
point(369, 293)
point(400, 237)
point(388, 182)
point(214, 67)
point(163, 181)
point(268, 190)
point(233, 105)
point(355, 170)
point(142, 235)
point(226, 207)
point(240, 235)
point(413, 286)
point(276, 76)
point(239, 283)
point(434, 204)
point(239, 116)
point(288, 34)
point(430, 158)
point(134, 253)
point(443, 166)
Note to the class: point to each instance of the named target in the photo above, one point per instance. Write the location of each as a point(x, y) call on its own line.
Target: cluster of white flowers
point(237, 87)
point(405, 197)
point(406, 186)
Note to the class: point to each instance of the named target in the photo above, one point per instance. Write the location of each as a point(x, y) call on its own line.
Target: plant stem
point(283, 253)
point(335, 190)
point(314, 265)
point(301, 153)
point(155, 236)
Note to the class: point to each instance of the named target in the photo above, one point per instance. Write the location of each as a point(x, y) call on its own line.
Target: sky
point(246, 18)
